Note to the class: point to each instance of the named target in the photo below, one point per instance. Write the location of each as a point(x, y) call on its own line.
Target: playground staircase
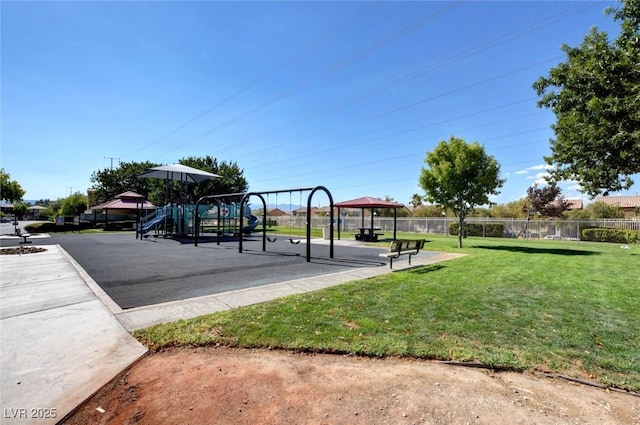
point(154, 220)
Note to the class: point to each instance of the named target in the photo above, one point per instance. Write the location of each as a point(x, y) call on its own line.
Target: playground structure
point(244, 200)
point(180, 220)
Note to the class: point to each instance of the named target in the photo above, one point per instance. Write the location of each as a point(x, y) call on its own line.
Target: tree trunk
point(462, 213)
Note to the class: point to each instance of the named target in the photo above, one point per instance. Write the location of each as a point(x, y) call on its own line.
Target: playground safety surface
point(153, 270)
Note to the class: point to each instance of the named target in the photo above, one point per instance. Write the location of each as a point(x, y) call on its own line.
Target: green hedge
point(70, 227)
point(117, 225)
point(604, 234)
point(52, 227)
point(491, 230)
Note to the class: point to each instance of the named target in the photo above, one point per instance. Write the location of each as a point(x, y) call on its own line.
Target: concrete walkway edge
point(142, 317)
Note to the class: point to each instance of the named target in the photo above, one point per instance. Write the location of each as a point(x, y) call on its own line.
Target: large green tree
point(595, 95)
point(460, 176)
point(72, 205)
point(513, 209)
point(10, 190)
point(231, 181)
point(110, 182)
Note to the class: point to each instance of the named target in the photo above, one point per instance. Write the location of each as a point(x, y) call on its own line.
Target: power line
point(111, 158)
point(323, 74)
point(290, 59)
point(481, 47)
point(410, 76)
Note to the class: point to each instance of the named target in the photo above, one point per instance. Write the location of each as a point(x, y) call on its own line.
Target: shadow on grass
point(425, 269)
point(532, 250)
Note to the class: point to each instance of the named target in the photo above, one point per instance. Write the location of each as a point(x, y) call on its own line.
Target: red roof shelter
point(124, 203)
point(369, 202)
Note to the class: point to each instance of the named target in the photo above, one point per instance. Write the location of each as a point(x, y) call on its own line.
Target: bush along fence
point(611, 235)
point(488, 230)
point(482, 226)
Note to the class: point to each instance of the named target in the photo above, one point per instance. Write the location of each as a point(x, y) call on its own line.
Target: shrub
point(117, 225)
point(600, 234)
point(51, 227)
point(490, 230)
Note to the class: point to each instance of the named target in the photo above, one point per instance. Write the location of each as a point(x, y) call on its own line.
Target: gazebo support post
point(395, 221)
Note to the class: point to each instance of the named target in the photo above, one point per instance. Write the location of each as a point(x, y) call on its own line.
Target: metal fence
point(513, 228)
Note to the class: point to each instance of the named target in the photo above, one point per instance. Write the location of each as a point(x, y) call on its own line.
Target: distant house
point(325, 210)
point(574, 204)
point(34, 212)
point(630, 205)
point(6, 208)
point(302, 212)
point(277, 212)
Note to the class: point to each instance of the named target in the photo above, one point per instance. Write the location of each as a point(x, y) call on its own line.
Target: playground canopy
point(178, 172)
point(369, 202)
point(183, 174)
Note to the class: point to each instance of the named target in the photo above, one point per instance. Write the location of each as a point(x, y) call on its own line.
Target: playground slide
point(152, 224)
point(253, 223)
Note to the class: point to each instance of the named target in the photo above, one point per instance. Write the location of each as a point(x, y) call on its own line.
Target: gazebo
point(124, 203)
point(372, 203)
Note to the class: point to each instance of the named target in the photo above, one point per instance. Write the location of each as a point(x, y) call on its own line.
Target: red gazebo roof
point(126, 201)
point(367, 202)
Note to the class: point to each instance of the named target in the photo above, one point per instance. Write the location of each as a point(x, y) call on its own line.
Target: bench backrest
point(413, 244)
point(395, 246)
point(405, 245)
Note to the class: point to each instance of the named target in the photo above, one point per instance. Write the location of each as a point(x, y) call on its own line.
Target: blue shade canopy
point(178, 172)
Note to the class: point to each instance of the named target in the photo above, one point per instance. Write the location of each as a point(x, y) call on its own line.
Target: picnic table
point(368, 234)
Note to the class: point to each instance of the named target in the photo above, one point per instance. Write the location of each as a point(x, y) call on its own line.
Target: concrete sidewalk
point(63, 337)
point(59, 342)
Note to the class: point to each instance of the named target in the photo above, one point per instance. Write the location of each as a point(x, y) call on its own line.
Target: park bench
point(25, 237)
point(400, 247)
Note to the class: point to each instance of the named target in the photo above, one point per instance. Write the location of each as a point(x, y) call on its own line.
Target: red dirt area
point(237, 386)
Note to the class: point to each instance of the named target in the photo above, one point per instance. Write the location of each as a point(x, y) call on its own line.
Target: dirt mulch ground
point(21, 250)
point(233, 386)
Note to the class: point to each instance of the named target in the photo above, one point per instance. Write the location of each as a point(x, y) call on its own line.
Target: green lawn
point(557, 306)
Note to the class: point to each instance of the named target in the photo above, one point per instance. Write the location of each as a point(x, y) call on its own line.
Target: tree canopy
point(232, 180)
point(72, 205)
point(10, 190)
point(459, 176)
point(596, 210)
point(595, 95)
point(108, 183)
point(546, 200)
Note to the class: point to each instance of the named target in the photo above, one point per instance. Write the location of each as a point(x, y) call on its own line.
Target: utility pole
point(70, 190)
point(111, 158)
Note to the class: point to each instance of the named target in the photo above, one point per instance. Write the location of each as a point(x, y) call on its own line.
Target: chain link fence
point(513, 228)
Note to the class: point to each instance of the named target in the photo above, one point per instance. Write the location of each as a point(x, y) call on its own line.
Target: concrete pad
point(59, 343)
point(45, 295)
point(142, 317)
point(258, 294)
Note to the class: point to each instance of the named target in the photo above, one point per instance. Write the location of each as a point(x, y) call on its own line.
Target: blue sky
point(348, 95)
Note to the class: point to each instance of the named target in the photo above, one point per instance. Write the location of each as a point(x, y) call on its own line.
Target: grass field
point(555, 306)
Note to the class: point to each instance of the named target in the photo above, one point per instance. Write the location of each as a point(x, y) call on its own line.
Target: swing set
point(267, 220)
point(244, 199)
